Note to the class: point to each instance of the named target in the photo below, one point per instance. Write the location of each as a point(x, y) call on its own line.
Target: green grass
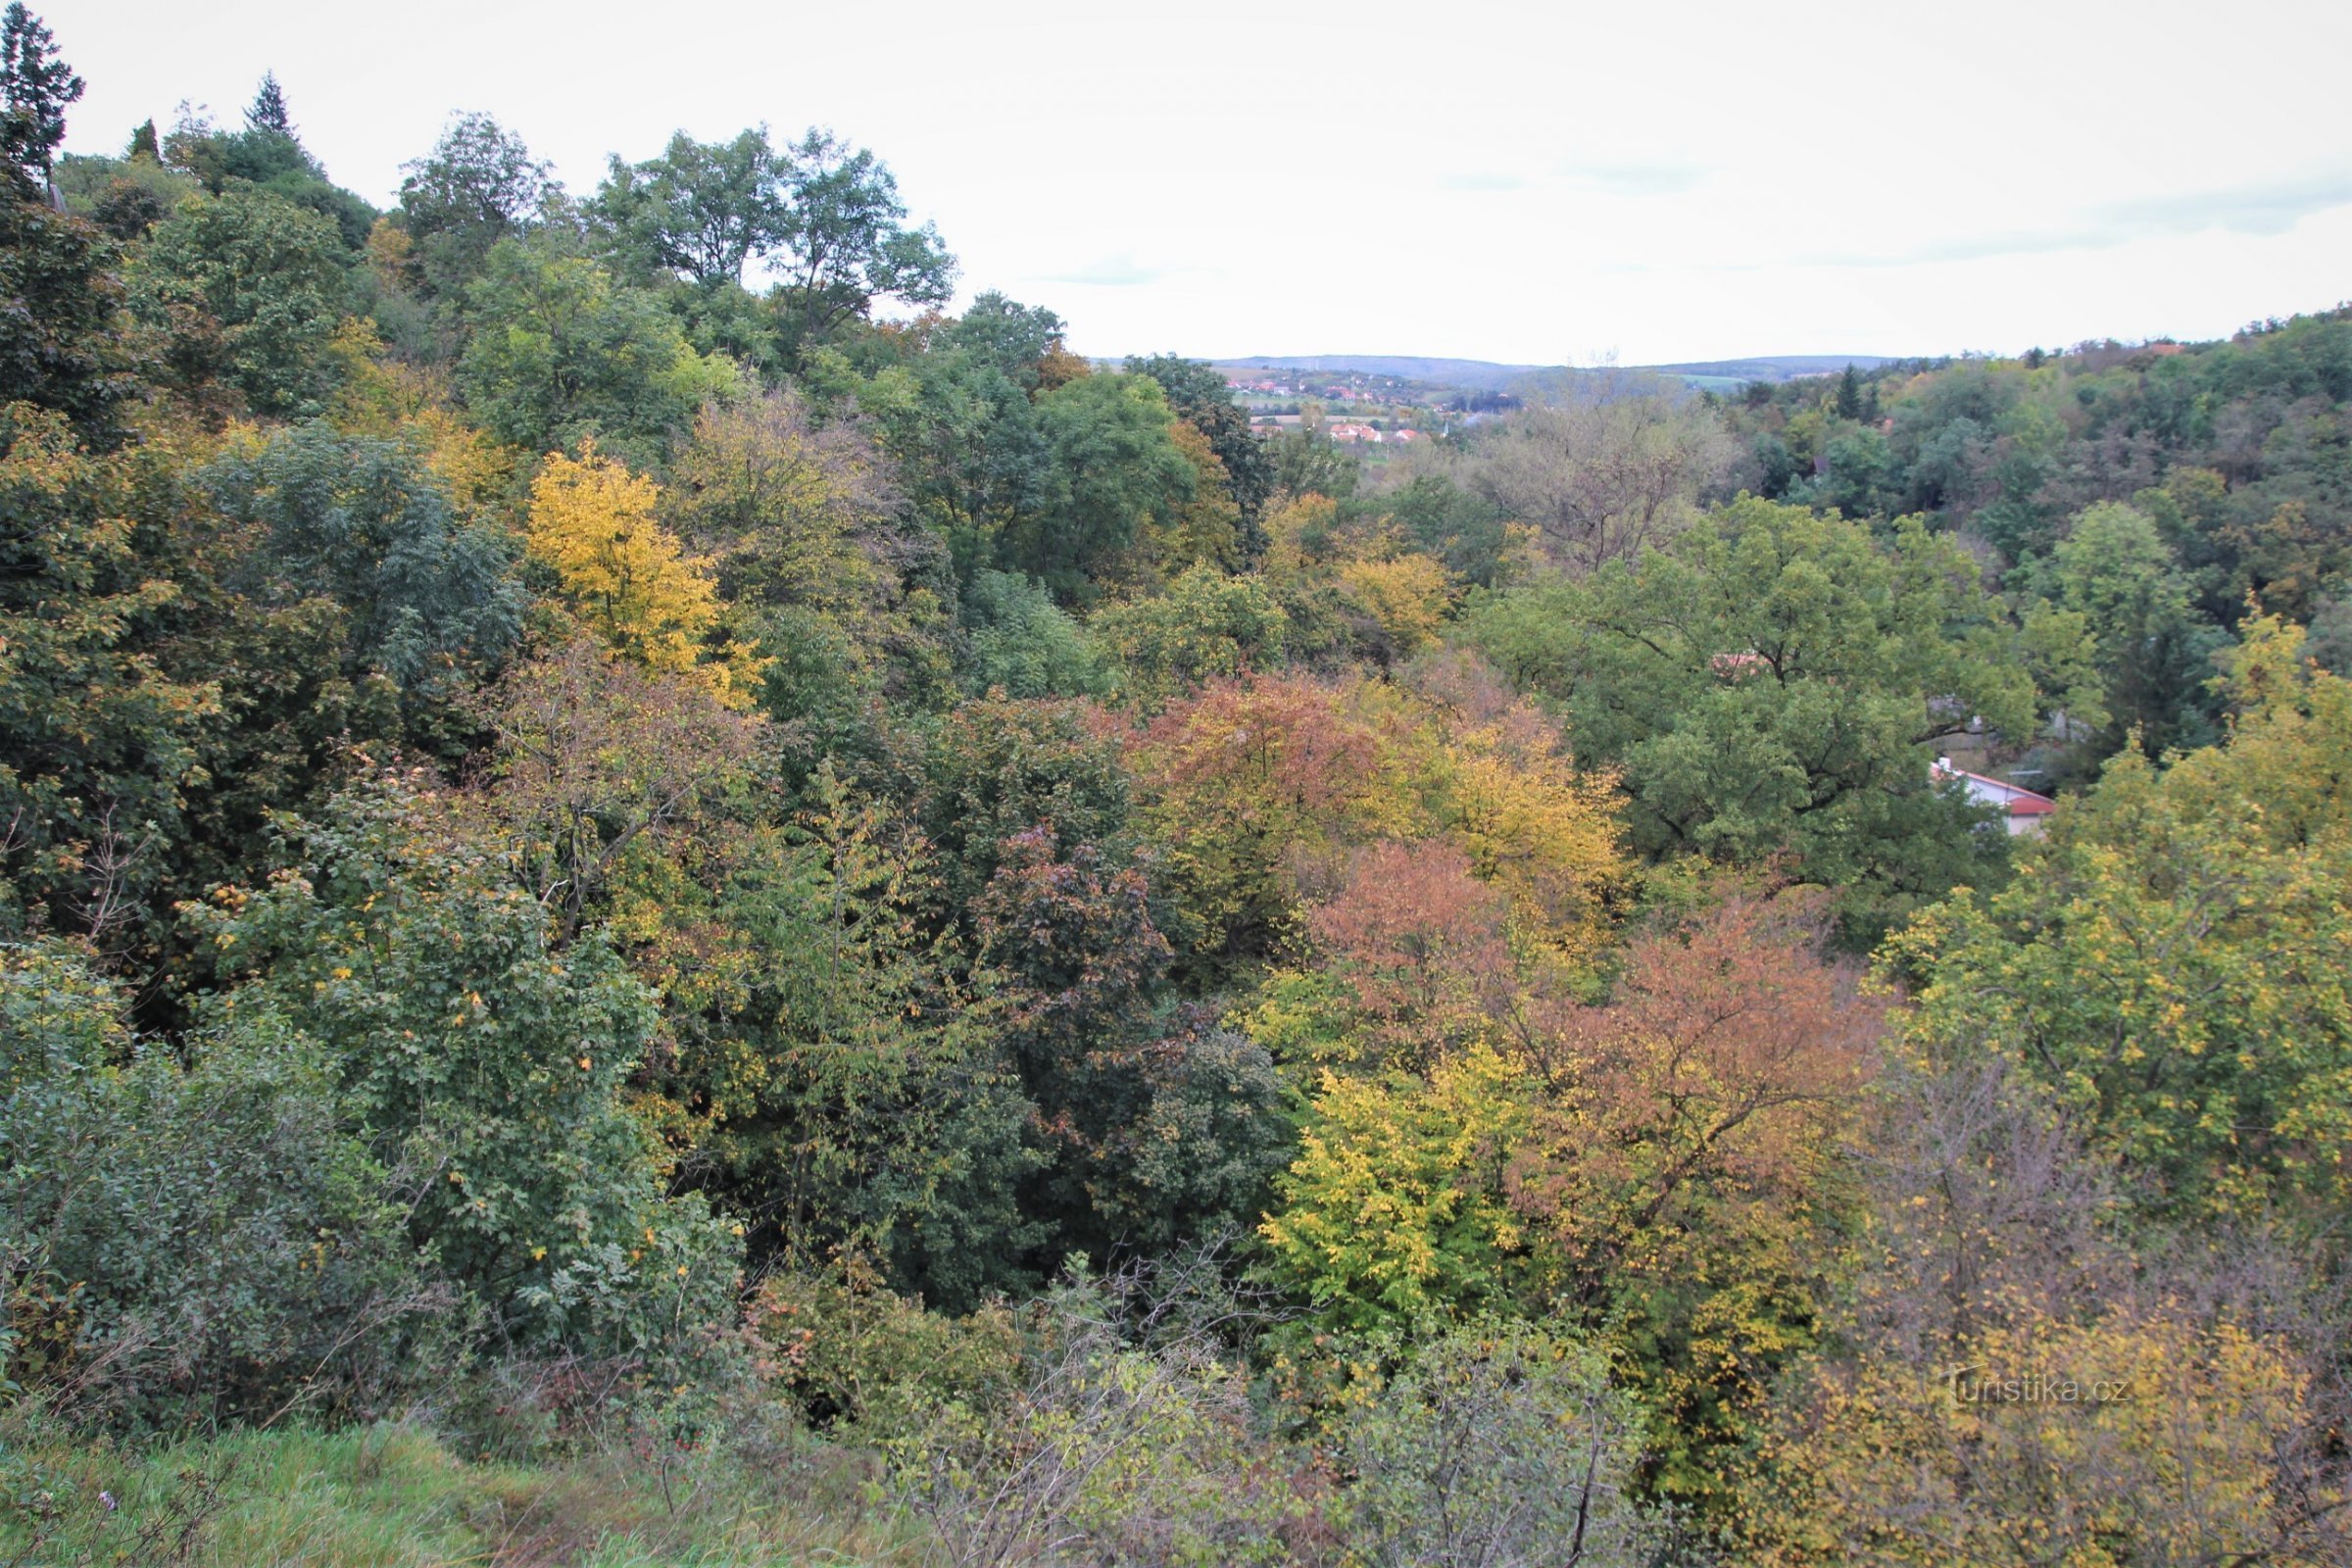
point(397, 1496)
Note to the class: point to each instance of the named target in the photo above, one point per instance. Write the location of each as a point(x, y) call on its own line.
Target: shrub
point(199, 1241)
point(479, 1055)
point(1495, 1444)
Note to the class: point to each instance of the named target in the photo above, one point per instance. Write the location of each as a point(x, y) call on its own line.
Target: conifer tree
point(36, 86)
point(269, 109)
point(143, 143)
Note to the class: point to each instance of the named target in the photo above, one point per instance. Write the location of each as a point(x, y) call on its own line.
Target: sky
point(1533, 183)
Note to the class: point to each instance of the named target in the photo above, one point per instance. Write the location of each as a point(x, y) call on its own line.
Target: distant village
point(1354, 410)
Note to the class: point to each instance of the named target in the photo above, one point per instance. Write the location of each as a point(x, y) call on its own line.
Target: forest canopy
point(637, 856)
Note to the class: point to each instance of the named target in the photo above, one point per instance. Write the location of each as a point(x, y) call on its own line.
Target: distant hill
point(1775, 368)
point(1722, 375)
point(1549, 380)
point(1475, 376)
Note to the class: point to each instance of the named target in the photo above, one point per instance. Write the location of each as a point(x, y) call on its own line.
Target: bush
point(852, 1353)
point(192, 1243)
point(1208, 625)
point(1120, 1445)
point(1494, 1445)
point(491, 1064)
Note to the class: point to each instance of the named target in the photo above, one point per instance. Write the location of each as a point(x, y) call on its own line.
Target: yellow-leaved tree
point(379, 396)
point(630, 579)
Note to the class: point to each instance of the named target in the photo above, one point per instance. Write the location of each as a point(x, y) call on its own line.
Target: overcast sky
point(1537, 183)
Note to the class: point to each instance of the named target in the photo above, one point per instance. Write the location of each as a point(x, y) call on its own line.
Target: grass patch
point(398, 1497)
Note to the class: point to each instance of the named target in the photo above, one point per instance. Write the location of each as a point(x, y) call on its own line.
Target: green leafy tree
point(1020, 642)
point(1200, 397)
point(101, 735)
point(480, 185)
point(846, 243)
point(856, 1100)
point(2168, 963)
point(429, 597)
point(701, 209)
point(1206, 626)
point(186, 1297)
point(1775, 684)
point(1115, 467)
point(1456, 527)
point(2154, 648)
point(248, 288)
point(269, 160)
point(475, 1053)
point(969, 432)
point(60, 301)
point(560, 353)
point(1017, 340)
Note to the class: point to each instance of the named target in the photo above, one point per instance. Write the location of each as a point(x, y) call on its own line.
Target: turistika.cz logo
point(1968, 1384)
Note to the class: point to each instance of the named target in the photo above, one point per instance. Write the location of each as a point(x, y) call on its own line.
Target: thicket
point(661, 903)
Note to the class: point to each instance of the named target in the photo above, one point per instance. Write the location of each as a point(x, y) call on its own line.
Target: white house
point(2021, 809)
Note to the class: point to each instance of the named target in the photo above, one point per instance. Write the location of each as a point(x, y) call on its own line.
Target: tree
point(1204, 628)
point(2166, 965)
point(644, 596)
point(60, 303)
point(36, 86)
point(999, 767)
point(268, 111)
point(598, 762)
point(1681, 1178)
point(1496, 1443)
point(2006, 1352)
point(1242, 784)
point(969, 431)
point(185, 1297)
point(1407, 596)
point(702, 209)
point(272, 161)
point(1395, 1214)
point(99, 735)
point(1774, 683)
point(1848, 403)
point(488, 1062)
point(562, 353)
point(858, 1103)
point(247, 288)
point(1605, 477)
point(1008, 337)
point(1116, 468)
point(1461, 529)
point(1022, 643)
point(429, 597)
point(2154, 649)
point(796, 514)
point(1200, 397)
point(845, 244)
point(480, 185)
point(1413, 957)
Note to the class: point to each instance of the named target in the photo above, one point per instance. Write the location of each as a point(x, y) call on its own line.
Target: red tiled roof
point(2017, 801)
